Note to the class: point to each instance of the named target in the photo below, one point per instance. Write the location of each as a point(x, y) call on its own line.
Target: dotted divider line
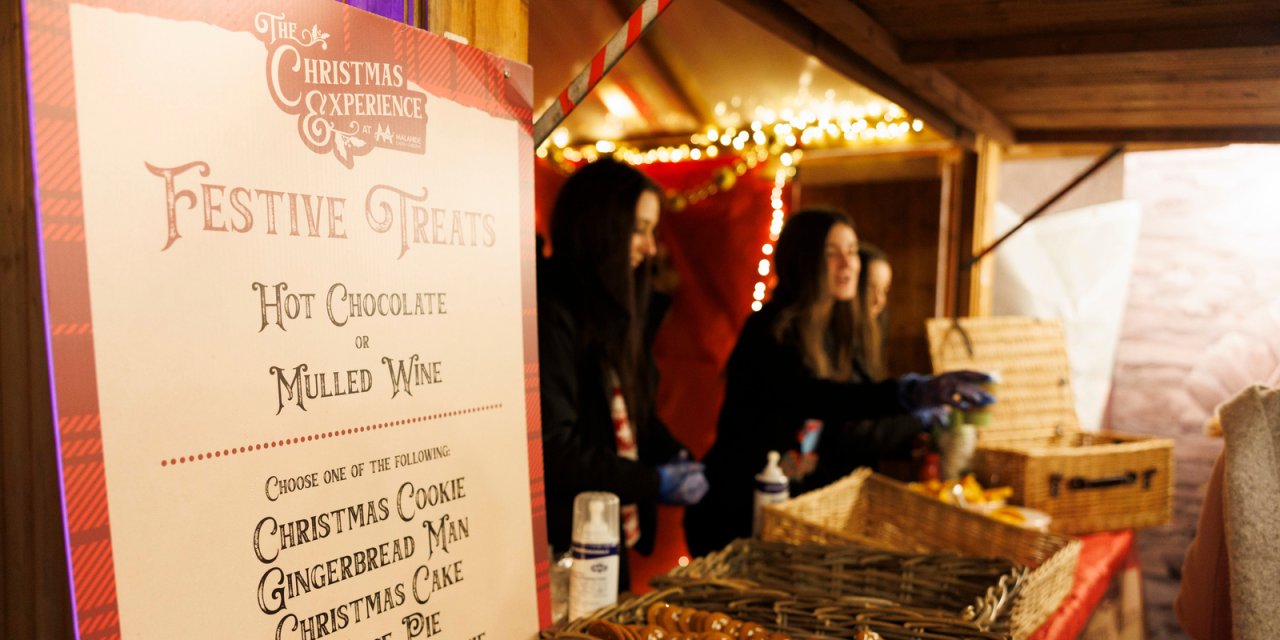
point(323, 435)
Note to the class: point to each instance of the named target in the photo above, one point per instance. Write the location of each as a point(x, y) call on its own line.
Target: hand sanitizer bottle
point(593, 580)
point(771, 488)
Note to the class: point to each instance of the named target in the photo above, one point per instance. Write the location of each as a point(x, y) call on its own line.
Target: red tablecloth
point(1102, 557)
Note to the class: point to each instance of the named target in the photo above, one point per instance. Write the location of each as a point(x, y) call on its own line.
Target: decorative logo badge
point(349, 107)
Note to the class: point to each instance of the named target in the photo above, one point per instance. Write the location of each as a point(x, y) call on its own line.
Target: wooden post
point(497, 26)
point(35, 599)
point(986, 194)
point(955, 238)
point(968, 213)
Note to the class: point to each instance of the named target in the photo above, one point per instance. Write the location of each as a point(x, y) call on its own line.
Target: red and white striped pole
point(603, 61)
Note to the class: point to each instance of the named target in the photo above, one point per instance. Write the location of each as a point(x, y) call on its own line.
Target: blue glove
point(930, 417)
point(958, 389)
point(681, 483)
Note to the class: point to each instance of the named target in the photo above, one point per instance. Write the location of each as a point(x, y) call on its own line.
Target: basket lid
point(1034, 399)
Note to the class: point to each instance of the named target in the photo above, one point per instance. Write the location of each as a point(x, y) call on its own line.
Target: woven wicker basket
point(1086, 481)
point(803, 618)
point(868, 509)
point(976, 590)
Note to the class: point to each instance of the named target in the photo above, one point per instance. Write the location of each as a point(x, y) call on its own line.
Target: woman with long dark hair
point(599, 428)
point(794, 384)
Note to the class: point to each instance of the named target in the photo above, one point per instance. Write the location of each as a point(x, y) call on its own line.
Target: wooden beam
point(1075, 44)
point(1160, 67)
point(35, 600)
point(497, 26)
point(986, 194)
point(1049, 150)
point(969, 194)
point(805, 34)
point(1137, 94)
point(857, 31)
point(955, 237)
point(1199, 135)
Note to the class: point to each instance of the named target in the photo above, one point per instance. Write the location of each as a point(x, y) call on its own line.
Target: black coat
point(578, 448)
point(769, 395)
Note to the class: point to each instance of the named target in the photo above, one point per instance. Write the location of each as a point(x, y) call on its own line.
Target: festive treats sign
point(288, 256)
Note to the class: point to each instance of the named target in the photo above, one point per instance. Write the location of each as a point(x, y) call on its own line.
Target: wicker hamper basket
point(1086, 481)
point(868, 509)
point(974, 590)
point(801, 618)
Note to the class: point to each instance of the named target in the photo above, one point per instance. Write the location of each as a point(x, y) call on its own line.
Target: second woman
point(793, 383)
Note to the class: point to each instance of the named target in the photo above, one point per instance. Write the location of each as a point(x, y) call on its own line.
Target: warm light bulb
point(756, 306)
point(560, 138)
point(768, 251)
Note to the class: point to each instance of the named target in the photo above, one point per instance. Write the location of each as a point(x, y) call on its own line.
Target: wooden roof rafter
point(1074, 44)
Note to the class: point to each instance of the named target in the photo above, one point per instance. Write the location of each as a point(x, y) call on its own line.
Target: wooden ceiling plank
point(1221, 135)
point(913, 20)
point(847, 24)
point(1145, 119)
point(1138, 95)
point(1261, 61)
point(1073, 44)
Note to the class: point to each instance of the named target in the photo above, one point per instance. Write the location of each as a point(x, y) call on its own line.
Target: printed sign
point(288, 255)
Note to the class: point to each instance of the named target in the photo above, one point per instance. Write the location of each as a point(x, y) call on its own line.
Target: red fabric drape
point(715, 247)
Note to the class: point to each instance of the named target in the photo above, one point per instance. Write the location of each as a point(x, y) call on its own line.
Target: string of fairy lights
point(783, 135)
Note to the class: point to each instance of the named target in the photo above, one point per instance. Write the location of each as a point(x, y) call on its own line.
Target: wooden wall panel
point(35, 600)
point(902, 217)
point(497, 26)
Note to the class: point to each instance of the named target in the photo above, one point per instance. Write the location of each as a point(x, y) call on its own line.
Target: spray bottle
point(771, 488)
point(593, 580)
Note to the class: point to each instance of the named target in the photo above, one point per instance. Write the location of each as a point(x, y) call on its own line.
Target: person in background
point(600, 431)
point(874, 280)
point(793, 374)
